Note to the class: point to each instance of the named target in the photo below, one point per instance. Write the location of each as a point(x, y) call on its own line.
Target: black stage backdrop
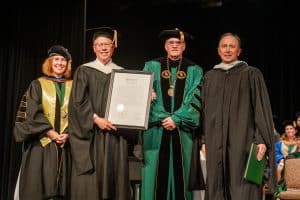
point(268, 29)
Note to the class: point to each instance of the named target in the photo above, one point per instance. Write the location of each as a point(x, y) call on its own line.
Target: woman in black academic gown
point(41, 124)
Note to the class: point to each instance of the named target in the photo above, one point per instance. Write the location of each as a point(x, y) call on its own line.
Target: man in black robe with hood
point(236, 113)
point(99, 152)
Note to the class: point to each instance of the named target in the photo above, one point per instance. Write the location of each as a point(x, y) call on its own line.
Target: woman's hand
point(57, 138)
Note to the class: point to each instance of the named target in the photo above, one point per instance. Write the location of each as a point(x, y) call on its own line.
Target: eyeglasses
point(103, 44)
point(171, 42)
point(225, 46)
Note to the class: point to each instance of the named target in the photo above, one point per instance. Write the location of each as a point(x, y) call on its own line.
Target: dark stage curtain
point(28, 29)
point(270, 41)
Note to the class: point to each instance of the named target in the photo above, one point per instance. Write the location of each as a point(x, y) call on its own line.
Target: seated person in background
point(295, 154)
point(297, 122)
point(285, 146)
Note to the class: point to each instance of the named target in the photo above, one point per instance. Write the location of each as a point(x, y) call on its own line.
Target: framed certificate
point(129, 99)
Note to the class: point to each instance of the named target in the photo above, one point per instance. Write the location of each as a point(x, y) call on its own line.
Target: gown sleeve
point(263, 121)
point(186, 116)
point(33, 124)
point(157, 111)
point(80, 122)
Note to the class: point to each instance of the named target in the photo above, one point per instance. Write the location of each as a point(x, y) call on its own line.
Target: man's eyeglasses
point(172, 42)
point(103, 44)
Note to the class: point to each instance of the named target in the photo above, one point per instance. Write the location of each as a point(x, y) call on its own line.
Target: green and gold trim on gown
point(167, 154)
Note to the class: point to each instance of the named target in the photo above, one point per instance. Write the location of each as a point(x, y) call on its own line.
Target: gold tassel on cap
point(181, 35)
point(115, 39)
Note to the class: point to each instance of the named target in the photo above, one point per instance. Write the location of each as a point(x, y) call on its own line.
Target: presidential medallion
point(171, 91)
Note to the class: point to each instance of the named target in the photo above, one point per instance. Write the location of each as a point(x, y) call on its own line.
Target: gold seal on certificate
point(121, 110)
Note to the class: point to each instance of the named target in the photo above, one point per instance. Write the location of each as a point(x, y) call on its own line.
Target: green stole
point(50, 91)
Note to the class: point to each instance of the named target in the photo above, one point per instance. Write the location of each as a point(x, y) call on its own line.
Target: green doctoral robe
point(167, 154)
point(99, 158)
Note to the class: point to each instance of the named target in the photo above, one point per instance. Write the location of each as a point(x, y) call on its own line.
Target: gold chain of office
point(166, 74)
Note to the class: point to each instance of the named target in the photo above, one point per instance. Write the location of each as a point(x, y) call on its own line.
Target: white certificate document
point(129, 99)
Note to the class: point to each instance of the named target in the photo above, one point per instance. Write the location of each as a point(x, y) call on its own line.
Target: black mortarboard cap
point(107, 32)
point(175, 33)
point(59, 50)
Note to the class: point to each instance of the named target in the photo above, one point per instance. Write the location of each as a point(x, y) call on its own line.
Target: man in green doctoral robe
point(167, 144)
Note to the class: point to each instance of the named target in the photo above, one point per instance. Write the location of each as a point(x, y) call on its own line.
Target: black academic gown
point(237, 112)
point(100, 159)
point(44, 170)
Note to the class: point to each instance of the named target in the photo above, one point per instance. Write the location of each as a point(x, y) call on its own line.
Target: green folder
point(254, 171)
